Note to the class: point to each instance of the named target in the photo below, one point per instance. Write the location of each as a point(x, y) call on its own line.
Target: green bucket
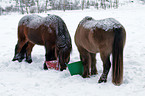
point(76, 68)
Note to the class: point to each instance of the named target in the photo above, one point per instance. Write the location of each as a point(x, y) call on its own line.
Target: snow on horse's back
point(106, 36)
point(49, 31)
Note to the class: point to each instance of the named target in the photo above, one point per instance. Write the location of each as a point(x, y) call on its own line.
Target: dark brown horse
point(106, 37)
point(50, 31)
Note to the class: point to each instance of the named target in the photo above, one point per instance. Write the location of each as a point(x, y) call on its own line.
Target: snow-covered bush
point(34, 6)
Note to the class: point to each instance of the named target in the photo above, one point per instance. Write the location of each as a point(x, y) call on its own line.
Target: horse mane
point(63, 36)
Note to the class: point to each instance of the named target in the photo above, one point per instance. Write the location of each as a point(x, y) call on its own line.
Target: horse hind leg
point(106, 67)
point(20, 51)
point(21, 46)
point(28, 52)
point(23, 51)
point(93, 64)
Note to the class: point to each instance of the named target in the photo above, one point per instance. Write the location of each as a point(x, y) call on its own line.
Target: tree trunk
point(117, 3)
point(38, 5)
point(110, 3)
point(104, 5)
point(17, 2)
point(46, 6)
point(0, 11)
point(83, 4)
point(26, 5)
point(52, 4)
point(63, 5)
point(101, 4)
point(97, 4)
point(21, 7)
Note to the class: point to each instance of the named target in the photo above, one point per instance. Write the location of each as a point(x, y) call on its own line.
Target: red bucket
point(52, 64)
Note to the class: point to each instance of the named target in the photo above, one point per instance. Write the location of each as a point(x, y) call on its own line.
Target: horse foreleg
point(106, 67)
point(85, 58)
point(50, 55)
point(28, 52)
point(93, 64)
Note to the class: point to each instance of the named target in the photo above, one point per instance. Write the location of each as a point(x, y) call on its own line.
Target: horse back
point(94, 37)
point(42, 30)
point(26, 20)
point(37, 29)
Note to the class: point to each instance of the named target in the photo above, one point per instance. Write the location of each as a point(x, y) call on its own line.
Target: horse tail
point(117, 70)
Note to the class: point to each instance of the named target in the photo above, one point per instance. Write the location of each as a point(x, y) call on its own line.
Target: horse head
point(64, 56)
point(63, 42)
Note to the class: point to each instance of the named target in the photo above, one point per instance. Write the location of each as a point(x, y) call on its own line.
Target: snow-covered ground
point(23, 79)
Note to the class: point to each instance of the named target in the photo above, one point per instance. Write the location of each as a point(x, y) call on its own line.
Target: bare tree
point(1, 10)
point(17, 2)
point(21, 6)
point(63, 5)
point(38, 5)
point(103, 6)
point(46, 6)
point(96, 4)
point(83, 4)
point(117, 1)
point(111, 4)
point(26, 5)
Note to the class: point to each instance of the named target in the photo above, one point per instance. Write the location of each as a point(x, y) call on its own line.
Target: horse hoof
point(85, 76)
point(14, 59)
point(61, 69)
point(101, 80)
point(29, 61)
point(20, 60)
point(94, 72)
point(45, 67)
point(18, 57)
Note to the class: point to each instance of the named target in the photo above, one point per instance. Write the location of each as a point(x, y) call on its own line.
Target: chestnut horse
point(50, 31)
point(105, 37)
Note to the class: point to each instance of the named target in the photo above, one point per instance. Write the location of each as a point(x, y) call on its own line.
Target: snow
point(23, 79)
point(32, 21)
point(105, 24)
